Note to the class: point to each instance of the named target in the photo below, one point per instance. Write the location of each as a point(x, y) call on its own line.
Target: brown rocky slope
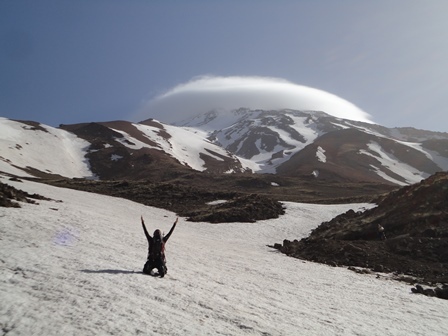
point(415, 219)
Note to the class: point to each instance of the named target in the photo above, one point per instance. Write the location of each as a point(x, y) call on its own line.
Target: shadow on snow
point(110, 271)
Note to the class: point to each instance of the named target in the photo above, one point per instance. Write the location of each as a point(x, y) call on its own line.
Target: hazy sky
point(98, 60)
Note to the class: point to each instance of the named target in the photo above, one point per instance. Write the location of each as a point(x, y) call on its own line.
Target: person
point(381, 233)
point(156, 250)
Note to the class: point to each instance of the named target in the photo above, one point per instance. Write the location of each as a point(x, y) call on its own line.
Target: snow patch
point(389, 161)
point(55, 151)
point(217, 202)
point(320, 154)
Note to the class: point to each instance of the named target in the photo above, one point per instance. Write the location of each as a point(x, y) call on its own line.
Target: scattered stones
point(416, 224)
point(191, 201)
point(10, 196)
point(440, 292)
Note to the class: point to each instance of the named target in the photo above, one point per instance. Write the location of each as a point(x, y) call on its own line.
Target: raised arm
point(148, 237)
point(165, 239)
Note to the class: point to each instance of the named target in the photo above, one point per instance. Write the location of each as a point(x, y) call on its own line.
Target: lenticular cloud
point(204, 94)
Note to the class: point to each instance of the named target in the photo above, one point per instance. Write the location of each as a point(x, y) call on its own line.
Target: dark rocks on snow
point(189, 201)
point(9, 195)
point(244, 208)
point(415, 219)
point(439, 291)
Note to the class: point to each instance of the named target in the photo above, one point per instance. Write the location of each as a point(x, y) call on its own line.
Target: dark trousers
point(382, 235)
point(158, 263)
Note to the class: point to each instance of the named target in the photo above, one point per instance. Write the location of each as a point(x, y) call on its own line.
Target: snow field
point(73, 268)
point(55, 151)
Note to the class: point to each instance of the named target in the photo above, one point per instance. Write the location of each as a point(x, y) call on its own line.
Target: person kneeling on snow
point(156, 250)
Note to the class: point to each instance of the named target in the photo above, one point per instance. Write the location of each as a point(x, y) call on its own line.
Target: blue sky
point(98, 60)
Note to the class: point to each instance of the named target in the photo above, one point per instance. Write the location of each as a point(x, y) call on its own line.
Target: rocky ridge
point(10, 196)
point(415, 219)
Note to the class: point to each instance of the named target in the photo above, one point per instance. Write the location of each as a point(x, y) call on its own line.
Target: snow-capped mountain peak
point(270, 139)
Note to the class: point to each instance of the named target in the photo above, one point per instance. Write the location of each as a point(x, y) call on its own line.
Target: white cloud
point(206, 93)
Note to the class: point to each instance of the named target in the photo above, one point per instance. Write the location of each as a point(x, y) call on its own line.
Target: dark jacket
point(156, 243)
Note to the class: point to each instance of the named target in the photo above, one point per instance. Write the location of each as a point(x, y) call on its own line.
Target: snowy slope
point(388, 160)
point(26, 145)
point(23, 145)
point(72, 268)
point(184, 145)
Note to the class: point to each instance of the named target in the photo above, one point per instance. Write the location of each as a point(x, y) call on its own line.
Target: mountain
point(287, 143)
point(107, 150)
point(305, 143)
